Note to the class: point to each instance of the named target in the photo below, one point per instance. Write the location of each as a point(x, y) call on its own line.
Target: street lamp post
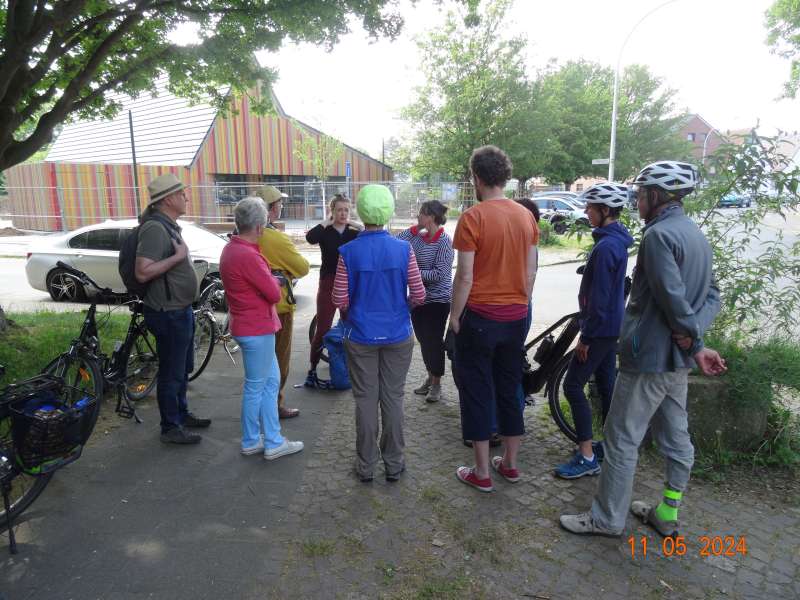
point(612, 153)
point(705, 143)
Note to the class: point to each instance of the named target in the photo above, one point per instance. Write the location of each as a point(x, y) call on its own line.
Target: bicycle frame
point(534, 380)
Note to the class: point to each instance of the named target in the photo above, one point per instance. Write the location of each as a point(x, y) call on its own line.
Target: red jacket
point(250, 289)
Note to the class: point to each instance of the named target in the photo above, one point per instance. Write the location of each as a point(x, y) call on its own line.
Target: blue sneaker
point(599, 451)
point(578, 467)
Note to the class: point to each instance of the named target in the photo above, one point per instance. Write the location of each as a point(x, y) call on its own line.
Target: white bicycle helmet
point(613, 195)
point(669, 175)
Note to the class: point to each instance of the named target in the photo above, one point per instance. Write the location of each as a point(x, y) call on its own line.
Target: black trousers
point(429, 321)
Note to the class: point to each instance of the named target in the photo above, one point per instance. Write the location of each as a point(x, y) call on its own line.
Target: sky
point(713, 52)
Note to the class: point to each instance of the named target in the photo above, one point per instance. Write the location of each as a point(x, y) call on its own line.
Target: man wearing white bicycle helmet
point(673, 301)
point(602, 303)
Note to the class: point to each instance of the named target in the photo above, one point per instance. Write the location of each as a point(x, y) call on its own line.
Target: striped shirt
point(341, 287)
point(435, 261)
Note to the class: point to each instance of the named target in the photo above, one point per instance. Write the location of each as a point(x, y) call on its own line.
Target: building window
point(578, 187)
point(690, 137)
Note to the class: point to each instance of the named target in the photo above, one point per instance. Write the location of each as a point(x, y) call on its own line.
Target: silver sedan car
point(95, 250)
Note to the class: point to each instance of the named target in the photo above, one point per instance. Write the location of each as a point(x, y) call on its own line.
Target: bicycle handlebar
point(83, 277)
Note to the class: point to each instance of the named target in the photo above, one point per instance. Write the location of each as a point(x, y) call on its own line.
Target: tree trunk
point(3, 321)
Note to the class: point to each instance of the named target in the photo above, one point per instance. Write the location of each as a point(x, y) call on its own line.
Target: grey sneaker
point(583, 524)
point(434, 393)
point(284, 449)
point(423, 389)
point(647, 513)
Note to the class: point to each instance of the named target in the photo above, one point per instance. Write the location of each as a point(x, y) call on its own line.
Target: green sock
point(667, 510)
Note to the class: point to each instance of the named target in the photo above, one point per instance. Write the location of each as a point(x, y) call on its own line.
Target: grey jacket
point(673, 291)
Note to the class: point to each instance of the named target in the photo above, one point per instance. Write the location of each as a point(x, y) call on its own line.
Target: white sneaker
point(284, 449)
point(253, 449)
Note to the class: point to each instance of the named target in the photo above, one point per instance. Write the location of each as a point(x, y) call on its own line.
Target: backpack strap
point(173, 234)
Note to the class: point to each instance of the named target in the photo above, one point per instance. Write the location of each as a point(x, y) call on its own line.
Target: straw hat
point(270, 194)
point(162, 186)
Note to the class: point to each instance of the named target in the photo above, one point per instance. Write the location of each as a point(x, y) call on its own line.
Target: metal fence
point(64, 209)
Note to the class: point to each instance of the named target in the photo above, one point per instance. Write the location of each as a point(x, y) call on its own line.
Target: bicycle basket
point(47, 432)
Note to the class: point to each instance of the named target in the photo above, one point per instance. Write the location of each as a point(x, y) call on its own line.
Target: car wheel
point(64, 288)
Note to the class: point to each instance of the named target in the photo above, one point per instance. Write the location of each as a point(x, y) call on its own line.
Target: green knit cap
point(375, 204)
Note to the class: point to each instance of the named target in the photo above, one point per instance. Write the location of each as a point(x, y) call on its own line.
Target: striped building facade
point(88, 174)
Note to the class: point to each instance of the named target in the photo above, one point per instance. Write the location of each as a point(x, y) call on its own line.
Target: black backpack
point(127, 257)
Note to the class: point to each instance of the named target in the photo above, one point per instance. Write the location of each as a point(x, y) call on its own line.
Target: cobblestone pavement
point(429, 536)
point(134, 519)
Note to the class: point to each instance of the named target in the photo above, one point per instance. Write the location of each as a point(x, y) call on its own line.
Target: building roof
point(167, 131)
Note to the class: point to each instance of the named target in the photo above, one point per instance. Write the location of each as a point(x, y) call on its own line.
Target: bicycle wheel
point(312, 330)
point(83, 375)
point(205, 336)
point(142, 370)
point(560, 408)
point(24, 488)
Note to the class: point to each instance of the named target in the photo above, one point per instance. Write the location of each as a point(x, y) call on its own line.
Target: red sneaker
point(510, 475)
point(467, 475)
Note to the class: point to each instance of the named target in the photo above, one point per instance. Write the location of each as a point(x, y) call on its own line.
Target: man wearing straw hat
point(162, 260)
point(287, 264)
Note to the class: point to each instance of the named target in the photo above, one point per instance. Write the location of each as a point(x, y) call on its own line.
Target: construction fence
point(68, 208)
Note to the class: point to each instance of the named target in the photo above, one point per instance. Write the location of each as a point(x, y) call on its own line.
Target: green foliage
point(757, 271)
point(36, 338)
point(62, 59)
point(764, 375)
point(476, 93)
point(783, 23)
point(320, 150)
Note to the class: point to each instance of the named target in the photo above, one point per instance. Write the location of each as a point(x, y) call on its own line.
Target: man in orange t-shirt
point(496, 243)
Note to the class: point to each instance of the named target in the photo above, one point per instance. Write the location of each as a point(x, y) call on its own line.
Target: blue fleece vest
point(377, 274)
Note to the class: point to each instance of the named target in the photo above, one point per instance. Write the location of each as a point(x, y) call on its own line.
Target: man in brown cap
point(163, 261)
point(286, 264)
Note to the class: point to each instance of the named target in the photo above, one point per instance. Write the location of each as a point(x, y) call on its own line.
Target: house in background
point(700, 133)
point(88, 174)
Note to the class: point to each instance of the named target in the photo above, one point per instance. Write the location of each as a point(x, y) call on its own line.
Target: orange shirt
point(500, 232)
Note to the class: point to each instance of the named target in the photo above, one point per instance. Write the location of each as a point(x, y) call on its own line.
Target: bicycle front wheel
point(142, 369)
point(205, 336)
point(560, 408)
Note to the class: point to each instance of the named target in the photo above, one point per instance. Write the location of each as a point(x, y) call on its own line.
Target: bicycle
point(44, 423)
point(312, 330)
point(208, 330)
point(131, 369)
point(553, 355)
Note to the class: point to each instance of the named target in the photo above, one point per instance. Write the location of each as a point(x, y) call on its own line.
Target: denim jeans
point(262, 379)
point(602, 361)
point(174, 333)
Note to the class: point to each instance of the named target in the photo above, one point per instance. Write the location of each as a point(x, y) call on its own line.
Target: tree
point(783, 23)
point(61, 59)
point(476, 93)
point(321, 151)
point(574, 106)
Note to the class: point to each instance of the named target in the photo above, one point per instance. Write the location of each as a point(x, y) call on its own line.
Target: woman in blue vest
point(373, 277)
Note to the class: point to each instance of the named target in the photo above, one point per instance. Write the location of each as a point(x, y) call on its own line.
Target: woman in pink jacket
point(252, 292)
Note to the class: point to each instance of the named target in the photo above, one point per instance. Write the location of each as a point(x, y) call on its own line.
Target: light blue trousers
point(262, 379)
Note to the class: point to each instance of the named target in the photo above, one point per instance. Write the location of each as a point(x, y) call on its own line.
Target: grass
point(36, 338)
point(318, 548)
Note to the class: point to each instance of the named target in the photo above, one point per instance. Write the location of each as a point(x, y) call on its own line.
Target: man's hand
point(454, 324)
point(582, 352)
point(710, 362)
point(181, 250)
point(684, 342)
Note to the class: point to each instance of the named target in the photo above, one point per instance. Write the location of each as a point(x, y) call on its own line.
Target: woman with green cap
point(374, 276)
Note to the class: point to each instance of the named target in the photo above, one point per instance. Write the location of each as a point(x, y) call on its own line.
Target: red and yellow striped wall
point(51, 196)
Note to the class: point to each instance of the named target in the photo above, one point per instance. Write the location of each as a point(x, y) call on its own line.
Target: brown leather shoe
point(287, 413)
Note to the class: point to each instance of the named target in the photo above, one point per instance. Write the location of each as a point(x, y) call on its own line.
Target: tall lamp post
point(612, 153)
point(705, 143)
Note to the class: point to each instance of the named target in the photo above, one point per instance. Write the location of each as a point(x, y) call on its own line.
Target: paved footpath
point(135, 519)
